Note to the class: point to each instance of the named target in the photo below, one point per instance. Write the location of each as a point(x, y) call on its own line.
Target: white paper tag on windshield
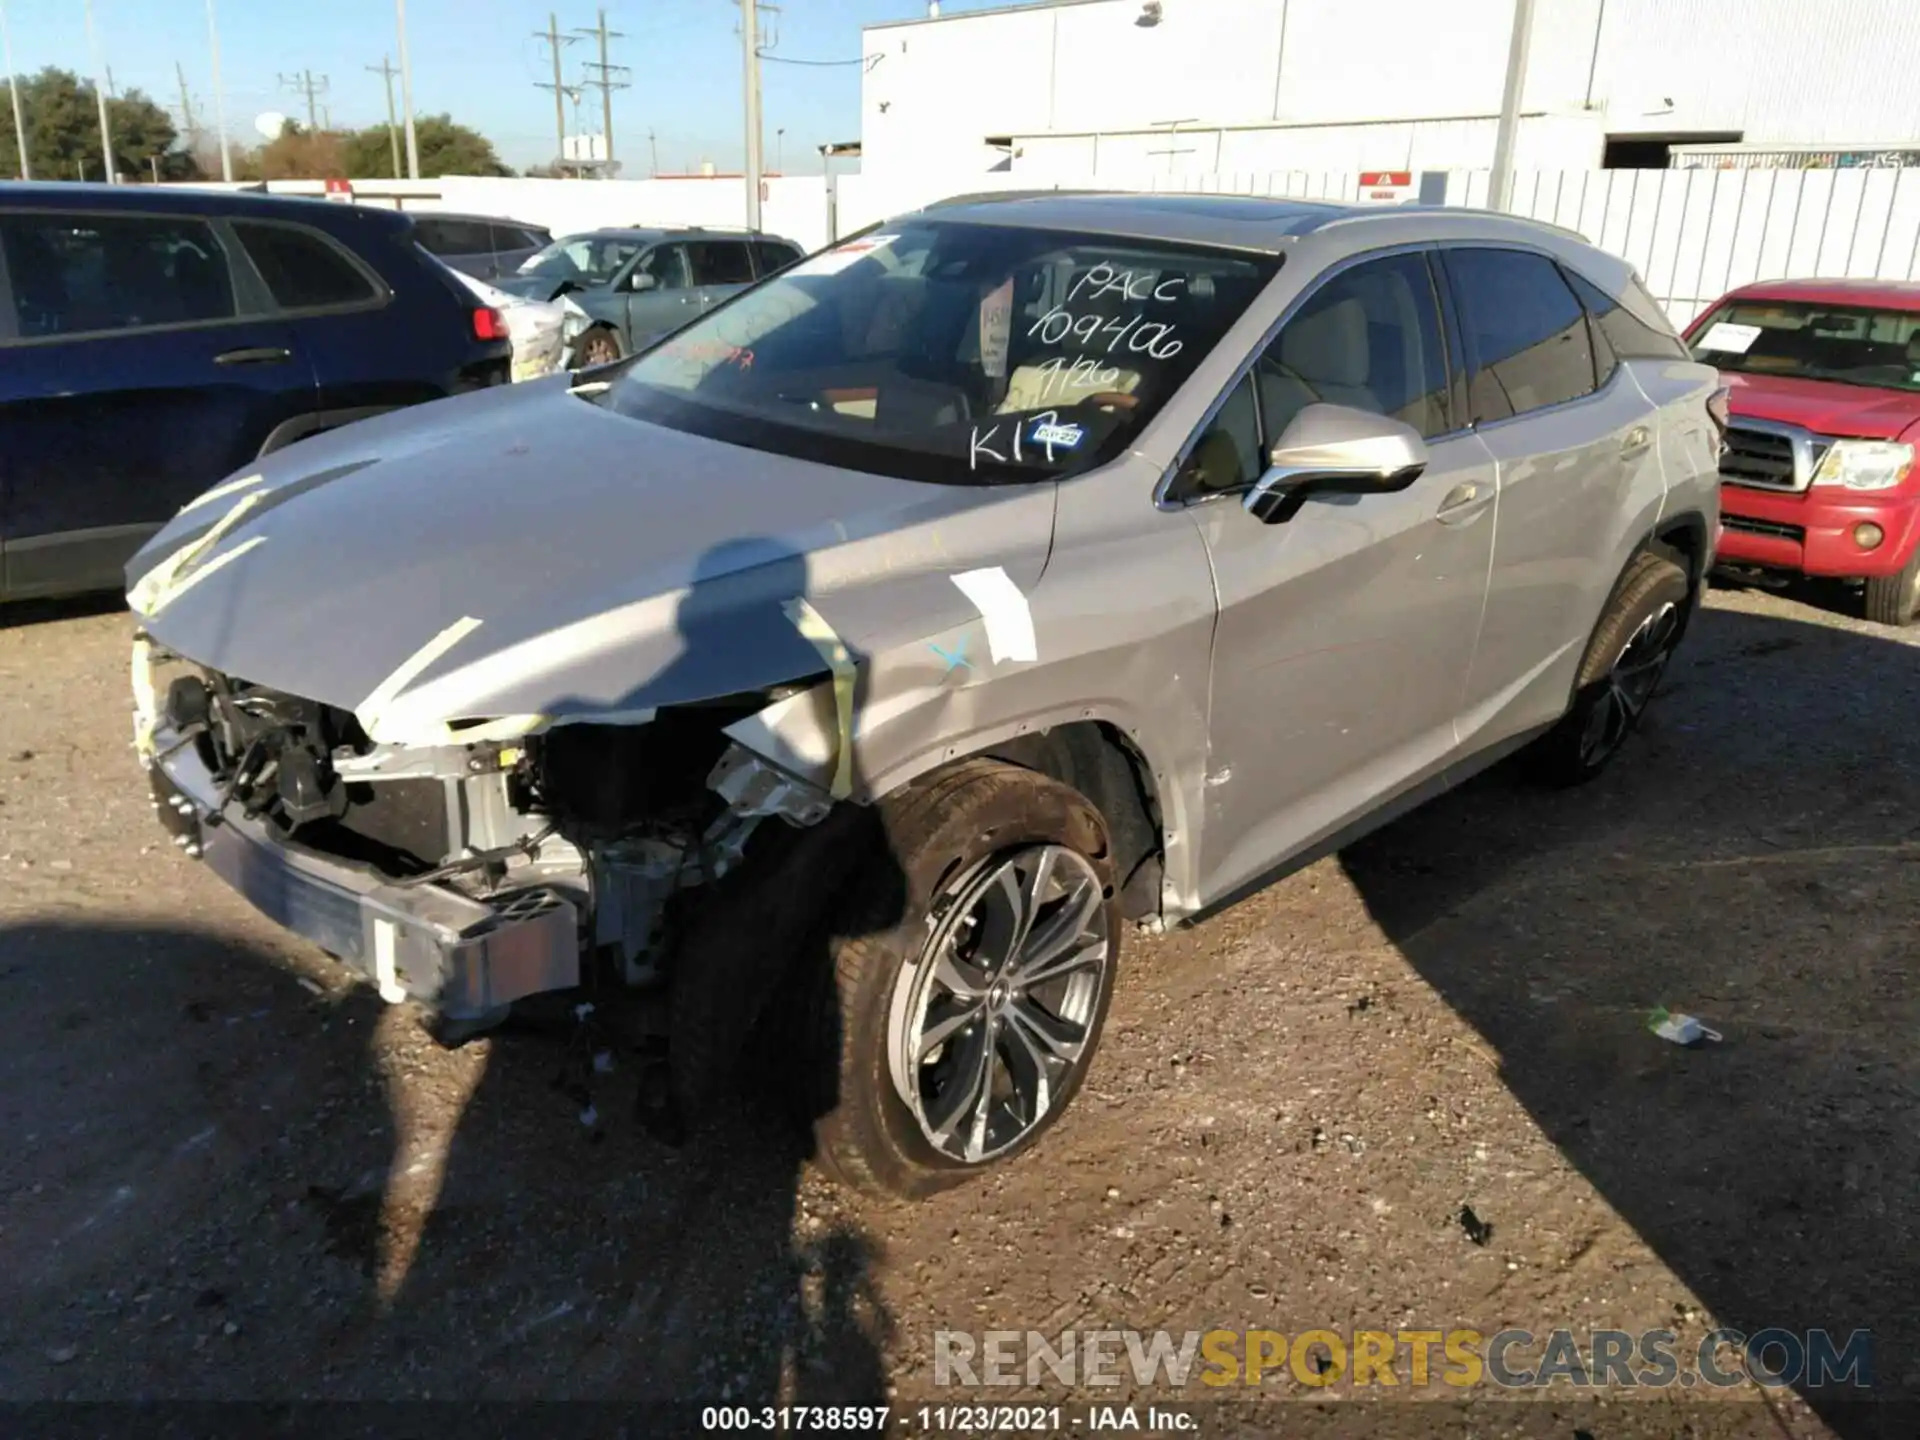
point(832, 262)
point(996, 330)
point(1735, 339)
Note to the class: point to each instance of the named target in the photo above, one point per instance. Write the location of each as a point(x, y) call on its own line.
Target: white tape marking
point(1008, 618)
point(385, 932)
point(369, 709)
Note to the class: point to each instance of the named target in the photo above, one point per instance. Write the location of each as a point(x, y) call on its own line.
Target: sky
point(480, 61)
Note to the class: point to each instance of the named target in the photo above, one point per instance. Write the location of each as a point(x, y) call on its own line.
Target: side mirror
point(638, 282)
point(1335, 450)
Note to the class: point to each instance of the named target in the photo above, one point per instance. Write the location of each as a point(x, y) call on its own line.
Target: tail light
point(489, 324)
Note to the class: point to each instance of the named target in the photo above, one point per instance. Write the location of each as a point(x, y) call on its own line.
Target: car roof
point(476, 216)
point(1260, 223)
point(670, 232)
point(187, 200)
point(1256, 223)
point(1888, 294)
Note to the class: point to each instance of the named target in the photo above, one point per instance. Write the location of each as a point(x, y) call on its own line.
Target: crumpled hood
point(1823, 406)
point(522, 551)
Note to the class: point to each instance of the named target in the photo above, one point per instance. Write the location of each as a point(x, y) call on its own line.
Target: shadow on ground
point(1750, 859)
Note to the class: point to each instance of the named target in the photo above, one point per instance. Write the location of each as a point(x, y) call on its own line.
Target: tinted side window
point(454, 237)
point(76, 274)
point(771, 255)
point(1526, 333)
point(301, 269)
point(668, 266)
point(1630, 337)
point(1368, 338)
point(721, 262)
point(1227, 455)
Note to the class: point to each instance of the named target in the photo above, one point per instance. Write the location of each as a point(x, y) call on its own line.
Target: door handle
point(1638, 438)
point(1462, 501)
point(254, 355)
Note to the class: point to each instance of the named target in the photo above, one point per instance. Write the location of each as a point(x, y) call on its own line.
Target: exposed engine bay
point(615, 823)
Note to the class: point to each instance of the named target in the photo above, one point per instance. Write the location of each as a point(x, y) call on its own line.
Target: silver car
point(843, 675)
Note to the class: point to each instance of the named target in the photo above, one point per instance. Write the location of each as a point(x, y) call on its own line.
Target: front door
point(670, 301)
point(1345, 632)
point(133, 379)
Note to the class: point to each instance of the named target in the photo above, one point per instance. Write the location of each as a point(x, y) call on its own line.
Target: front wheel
point(599, 347)
point(966, 1027)
point(1895, 599)
point(1622, 668)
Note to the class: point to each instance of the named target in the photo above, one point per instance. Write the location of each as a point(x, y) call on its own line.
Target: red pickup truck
point(1818, 476)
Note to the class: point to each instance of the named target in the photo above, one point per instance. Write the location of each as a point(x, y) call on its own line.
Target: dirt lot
point(227, 1174)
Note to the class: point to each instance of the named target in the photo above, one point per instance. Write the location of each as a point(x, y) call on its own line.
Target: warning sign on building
point(340, 190)
point(1386, 187)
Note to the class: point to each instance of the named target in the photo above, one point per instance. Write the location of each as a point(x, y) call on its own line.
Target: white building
point(1118, 86)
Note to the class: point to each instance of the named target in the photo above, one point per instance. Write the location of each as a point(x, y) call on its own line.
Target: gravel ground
point(229, 1174)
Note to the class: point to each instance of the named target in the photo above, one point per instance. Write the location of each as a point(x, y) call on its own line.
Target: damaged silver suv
point(847, 670)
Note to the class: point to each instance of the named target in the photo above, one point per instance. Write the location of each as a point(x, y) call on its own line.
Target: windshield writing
point(951, 352)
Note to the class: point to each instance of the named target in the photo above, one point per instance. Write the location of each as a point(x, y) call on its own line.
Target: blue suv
point(153, 341)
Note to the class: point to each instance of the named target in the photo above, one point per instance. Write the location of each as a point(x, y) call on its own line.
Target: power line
point(313, 88)
point(605, 81)
point(555, 40)
point(789, 60)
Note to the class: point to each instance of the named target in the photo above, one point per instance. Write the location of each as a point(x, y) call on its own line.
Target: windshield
point(1813, 342)
point(964, 354)
point(587, 259)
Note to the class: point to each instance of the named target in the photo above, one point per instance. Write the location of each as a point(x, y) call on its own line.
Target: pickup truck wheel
point(966, 1024)
point(1622, 668)
point(1894, 599)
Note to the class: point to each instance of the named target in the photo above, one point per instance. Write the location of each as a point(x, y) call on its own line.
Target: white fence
point(1692, 234)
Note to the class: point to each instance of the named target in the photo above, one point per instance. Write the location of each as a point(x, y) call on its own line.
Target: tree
point(296, 154)
point(63, 133)
point(445, 149)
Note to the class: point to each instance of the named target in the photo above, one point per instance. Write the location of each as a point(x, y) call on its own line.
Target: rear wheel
point(1622, 668)
point(966, 1027)
point(1895, 599)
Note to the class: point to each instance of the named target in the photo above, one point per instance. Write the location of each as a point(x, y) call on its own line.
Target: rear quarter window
point(302, 269)
point(1630, 336)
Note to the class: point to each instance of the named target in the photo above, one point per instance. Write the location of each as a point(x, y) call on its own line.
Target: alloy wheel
point(997, 1014)
point(1630, 684)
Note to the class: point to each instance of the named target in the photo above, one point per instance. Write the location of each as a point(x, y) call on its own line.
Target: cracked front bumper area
point(463, 957)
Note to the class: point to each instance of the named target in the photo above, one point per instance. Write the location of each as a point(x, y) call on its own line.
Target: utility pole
point(406, 93)
point(187, 122)
point(653, 146)
point(100, 98)
point(305, 84)
point(19, 117)
point(555, 40)
point(219, 99)
point(386, 72)
point(1501, 188)
point(604, 80)
point(750, 48)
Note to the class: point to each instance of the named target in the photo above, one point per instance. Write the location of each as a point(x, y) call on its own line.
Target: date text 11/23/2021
point(950, 1419)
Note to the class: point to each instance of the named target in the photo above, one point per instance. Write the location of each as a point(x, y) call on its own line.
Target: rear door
point(1573, 439)
point(342, 319)
point(139, 366)
point(720, 268)
point(772, 256)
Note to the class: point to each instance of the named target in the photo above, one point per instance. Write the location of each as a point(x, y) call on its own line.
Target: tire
point(599, 346)
point(949, 837)
point(1642, 624)
point(1894, 599)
